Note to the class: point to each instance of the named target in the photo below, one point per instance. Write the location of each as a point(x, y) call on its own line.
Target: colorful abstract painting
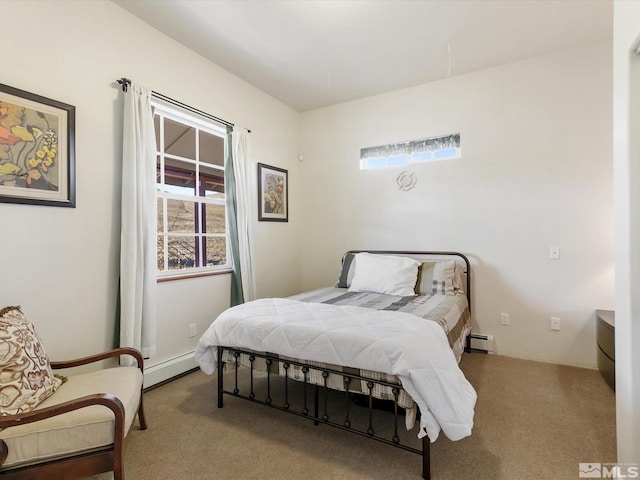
point(36, 149)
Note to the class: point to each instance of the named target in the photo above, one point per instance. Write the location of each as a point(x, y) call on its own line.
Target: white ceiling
point(314, 53)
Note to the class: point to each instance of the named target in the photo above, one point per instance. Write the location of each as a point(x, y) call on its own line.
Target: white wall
point(60, 264)
point(535, 172)
point(626, 68)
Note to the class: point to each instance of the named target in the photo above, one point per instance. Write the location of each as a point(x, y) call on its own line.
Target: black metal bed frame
point(318, 418)
point(347, 379)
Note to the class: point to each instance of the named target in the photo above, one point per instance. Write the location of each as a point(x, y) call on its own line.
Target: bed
point(391, 331)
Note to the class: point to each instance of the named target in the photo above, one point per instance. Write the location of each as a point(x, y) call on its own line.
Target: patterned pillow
point(26, 378)
point(436, 278)
point(458, 279)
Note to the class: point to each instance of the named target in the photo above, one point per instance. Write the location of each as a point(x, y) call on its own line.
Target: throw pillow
point(346, 272)
point(26, 378)
point(437, 278)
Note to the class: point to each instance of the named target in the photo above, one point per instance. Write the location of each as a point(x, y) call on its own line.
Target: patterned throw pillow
point(436, 278)
point(26, 378)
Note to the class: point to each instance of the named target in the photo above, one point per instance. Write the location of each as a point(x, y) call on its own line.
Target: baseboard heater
point(163, 371)
point(481, 343)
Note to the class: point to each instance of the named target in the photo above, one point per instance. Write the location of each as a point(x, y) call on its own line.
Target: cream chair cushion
point(85, 429)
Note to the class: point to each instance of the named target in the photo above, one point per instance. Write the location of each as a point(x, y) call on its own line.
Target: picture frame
point(37, 149)
point(273, 194)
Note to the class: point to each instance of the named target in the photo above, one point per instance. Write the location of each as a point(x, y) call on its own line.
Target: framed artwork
point(273, 194)
point(37, 149)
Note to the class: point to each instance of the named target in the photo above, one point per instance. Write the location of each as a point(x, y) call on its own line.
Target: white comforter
point(413, 349)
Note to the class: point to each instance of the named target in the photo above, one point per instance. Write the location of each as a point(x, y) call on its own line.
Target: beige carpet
point(533, 421)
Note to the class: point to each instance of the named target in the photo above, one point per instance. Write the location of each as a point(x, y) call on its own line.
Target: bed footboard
point(316, 406)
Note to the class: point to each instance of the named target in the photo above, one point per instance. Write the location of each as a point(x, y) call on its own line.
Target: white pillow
point(385, 274)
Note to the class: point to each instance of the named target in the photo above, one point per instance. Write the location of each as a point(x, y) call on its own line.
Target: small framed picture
point(37, 149)
point(273, 194)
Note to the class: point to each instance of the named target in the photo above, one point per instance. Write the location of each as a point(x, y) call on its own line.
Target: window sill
point(181, 276)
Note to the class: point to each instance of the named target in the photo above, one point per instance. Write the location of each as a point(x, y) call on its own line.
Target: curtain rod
point(125, 82)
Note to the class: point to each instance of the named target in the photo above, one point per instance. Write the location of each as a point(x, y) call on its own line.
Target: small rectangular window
point(401, 154)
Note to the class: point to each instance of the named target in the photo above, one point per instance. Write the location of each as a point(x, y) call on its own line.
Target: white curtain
point(138, 234)
point(245, 177)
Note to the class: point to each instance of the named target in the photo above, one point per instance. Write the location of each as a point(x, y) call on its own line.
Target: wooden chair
point(79, 430)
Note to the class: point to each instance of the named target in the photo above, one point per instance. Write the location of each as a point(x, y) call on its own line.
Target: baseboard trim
point(163, 371)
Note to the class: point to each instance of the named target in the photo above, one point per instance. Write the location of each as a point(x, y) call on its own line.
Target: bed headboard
point(429, 256)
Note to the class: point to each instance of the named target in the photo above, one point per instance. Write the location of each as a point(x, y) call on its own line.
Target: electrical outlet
point(504, 319)
point(554, 323)
point(554, 253)
point(192, 330)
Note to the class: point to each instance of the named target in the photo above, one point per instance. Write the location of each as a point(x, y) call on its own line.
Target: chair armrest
point(105, 399)
point(101, 356)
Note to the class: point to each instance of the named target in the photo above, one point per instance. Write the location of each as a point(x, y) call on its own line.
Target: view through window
point(192, 226)
point(446, 147)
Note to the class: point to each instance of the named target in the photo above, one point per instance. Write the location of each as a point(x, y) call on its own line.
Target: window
point(192, 219)
point(401, 154)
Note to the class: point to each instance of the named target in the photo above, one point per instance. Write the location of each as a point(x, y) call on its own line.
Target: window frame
point(198, 198)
